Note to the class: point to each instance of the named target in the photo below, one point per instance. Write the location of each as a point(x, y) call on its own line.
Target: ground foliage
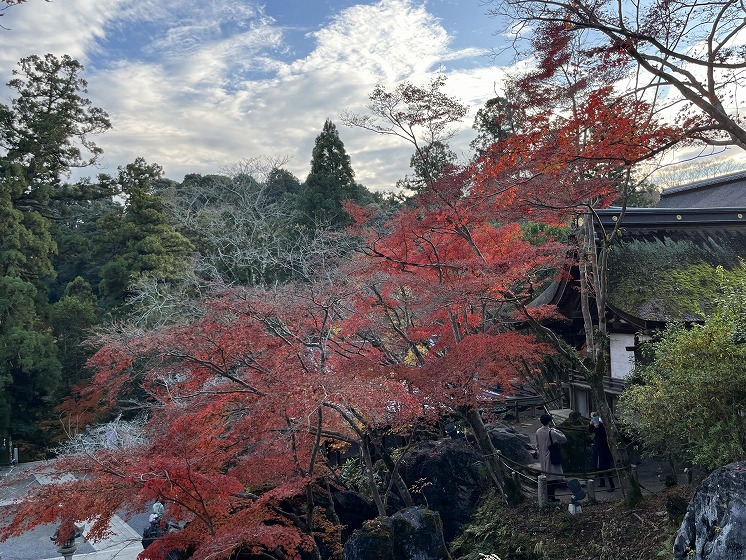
point(603, 531)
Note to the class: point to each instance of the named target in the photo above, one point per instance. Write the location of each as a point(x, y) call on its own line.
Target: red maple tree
point(239, 404)
point(421, 322)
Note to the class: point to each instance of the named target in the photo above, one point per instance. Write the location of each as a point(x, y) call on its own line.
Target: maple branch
point(186, 506)
point(435, 251)
point(294, 446)
point(338, 436)
point(218, 370)
point(371, 251)
point(397, 328)
point(363, 449)
point(557, 342)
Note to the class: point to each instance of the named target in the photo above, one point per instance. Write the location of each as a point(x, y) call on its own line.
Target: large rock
point(410, 534)
point(451, 477)
point(513, 445)
point(353, 509)
point(714, 527)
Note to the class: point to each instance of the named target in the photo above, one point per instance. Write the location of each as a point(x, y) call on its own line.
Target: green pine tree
point(44, 131)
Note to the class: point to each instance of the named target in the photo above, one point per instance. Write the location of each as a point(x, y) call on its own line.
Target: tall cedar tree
point(330, 183)
point(143, 242)
point(43, 133)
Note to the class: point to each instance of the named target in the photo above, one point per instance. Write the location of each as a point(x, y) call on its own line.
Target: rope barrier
point(588, 474)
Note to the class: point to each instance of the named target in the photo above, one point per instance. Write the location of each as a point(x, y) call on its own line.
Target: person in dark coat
point(601, 453)
point(152, 531)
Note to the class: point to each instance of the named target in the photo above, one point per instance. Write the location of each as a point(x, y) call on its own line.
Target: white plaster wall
point(622, 360)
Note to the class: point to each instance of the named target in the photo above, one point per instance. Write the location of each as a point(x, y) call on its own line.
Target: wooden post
point(543, 499)
point(634, 472)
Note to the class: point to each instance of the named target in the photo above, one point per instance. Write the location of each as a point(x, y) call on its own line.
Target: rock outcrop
point(450, 474)
point(353, 509)
point(411, 534)
point(513, 445)
point(449, 477)
point(714, 527)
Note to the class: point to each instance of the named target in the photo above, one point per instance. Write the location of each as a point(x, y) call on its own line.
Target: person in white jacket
point(554, 473)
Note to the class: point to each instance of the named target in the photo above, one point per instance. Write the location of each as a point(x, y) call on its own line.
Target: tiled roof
point(724, 191)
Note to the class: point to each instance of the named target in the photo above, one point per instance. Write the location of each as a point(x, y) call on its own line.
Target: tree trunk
point(393, 469)
point(630, 487)
point(365, 450)
point(488, 450)
point(598, 351)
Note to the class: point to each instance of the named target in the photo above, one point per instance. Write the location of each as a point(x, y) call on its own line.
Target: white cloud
point(210, 82)
point(71, 27)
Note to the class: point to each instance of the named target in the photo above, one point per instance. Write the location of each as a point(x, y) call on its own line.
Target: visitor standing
point(601, 453)
point(158, 508)
point(546, 436)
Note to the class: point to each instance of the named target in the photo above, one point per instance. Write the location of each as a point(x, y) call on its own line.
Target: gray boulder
point(714, 527)
point(513, 445)
point(352, 509)
point(411, 534)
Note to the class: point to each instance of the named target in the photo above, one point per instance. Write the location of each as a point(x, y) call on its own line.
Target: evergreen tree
point(72, 318)
point(499, 118)
point(82, 241)
point(46, 130)
point(142, 239)
point(330, 182)
point(43, 133)
point(282, 184)
point(429, 164)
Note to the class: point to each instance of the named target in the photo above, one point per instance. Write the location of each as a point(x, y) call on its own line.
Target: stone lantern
point(64, 538)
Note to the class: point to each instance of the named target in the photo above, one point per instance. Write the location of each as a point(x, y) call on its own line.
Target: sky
point(199, 86)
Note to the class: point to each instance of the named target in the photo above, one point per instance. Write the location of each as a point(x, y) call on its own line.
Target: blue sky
point(199, 86)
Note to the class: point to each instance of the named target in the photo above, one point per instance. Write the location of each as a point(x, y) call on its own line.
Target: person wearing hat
point(545, 435)
point(601, 453)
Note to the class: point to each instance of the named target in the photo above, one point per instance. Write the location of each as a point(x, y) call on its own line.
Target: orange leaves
point(234, 401)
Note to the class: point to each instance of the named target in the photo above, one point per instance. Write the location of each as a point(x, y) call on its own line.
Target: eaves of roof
point(667, 218)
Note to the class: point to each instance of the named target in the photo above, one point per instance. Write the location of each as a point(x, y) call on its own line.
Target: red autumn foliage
point(420, 323)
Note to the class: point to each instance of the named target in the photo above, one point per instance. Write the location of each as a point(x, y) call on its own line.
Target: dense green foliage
point(330, 183)
point(44, 132)
point(142, 239)
point(429, 164)
point(688, 402)
point(499, 118)
point(486, 535)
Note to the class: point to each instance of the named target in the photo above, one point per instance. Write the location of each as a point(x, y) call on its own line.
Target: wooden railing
point(611, 384)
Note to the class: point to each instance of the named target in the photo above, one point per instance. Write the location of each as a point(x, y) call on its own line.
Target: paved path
point(123, 544)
